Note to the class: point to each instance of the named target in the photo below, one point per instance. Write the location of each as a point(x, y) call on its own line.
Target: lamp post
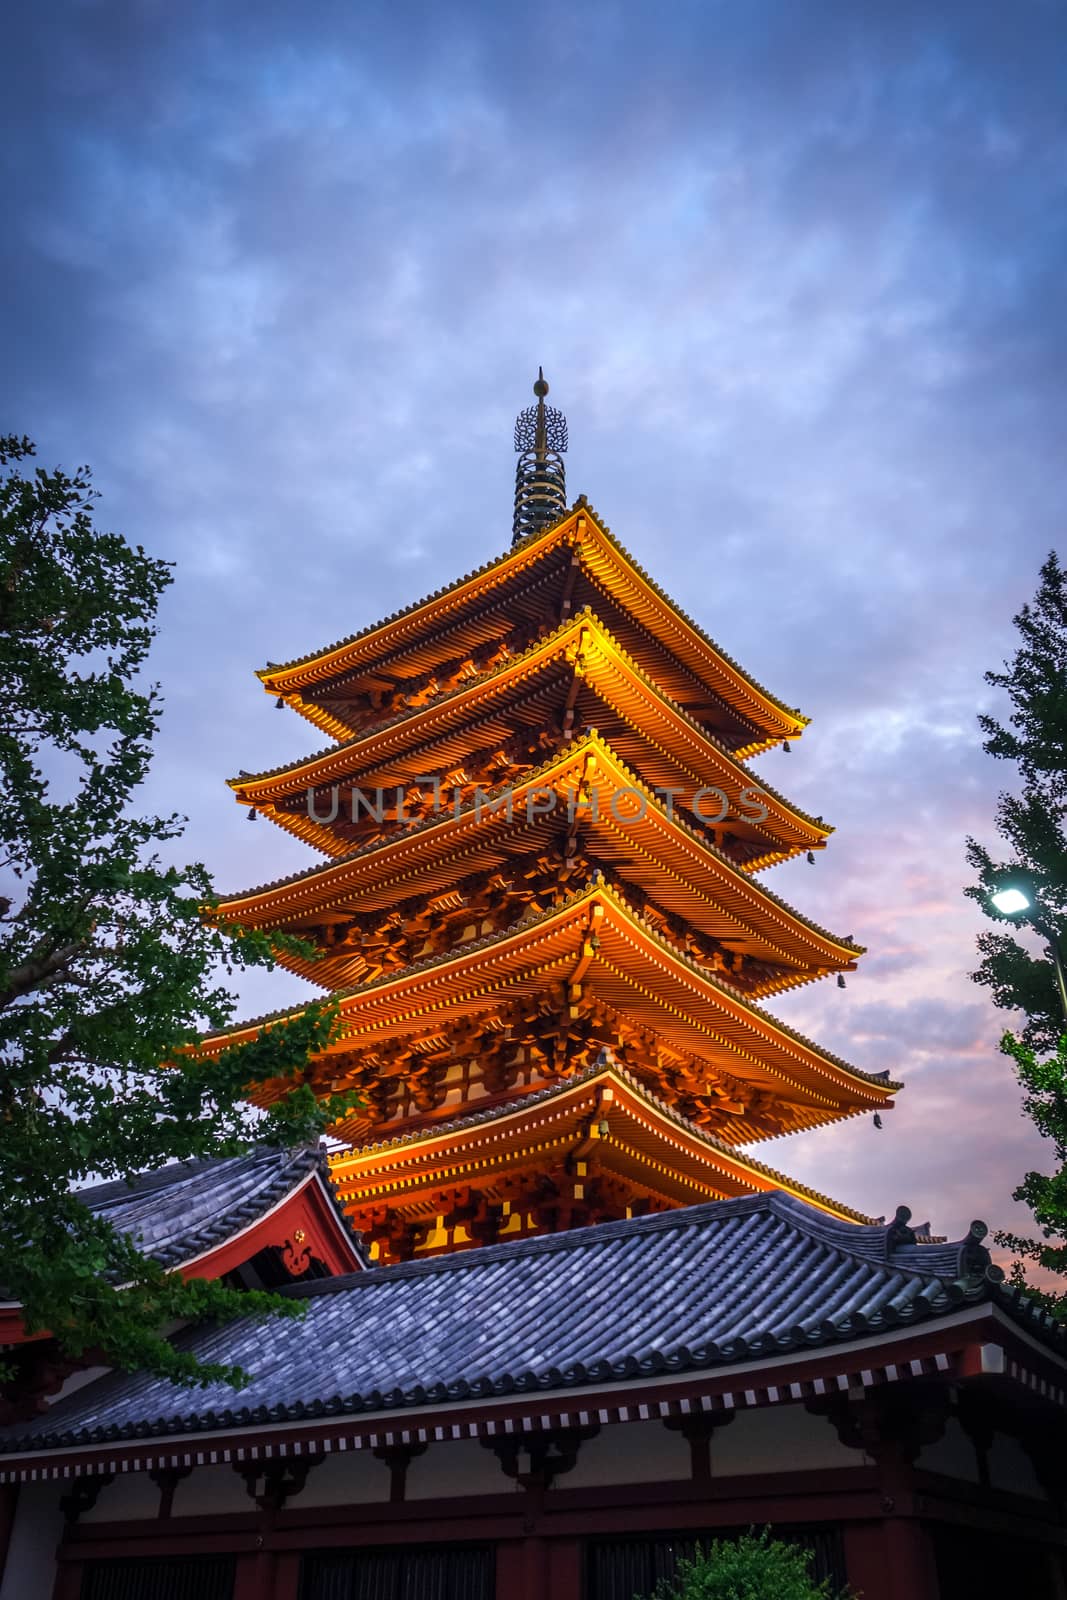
point(1014, 902)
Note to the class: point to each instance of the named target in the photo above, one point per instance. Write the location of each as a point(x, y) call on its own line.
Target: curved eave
point(613, 675)
point(632, 967)
point(611, 564)
point(676, 1154)
point(434, 854)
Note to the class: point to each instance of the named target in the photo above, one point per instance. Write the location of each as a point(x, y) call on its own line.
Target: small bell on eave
point(252, 814)
point(840, 980)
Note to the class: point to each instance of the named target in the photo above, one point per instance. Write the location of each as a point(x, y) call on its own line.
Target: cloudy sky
point(795, 269)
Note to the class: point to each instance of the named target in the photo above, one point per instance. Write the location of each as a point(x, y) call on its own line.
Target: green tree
point(755, 1567)
point(1033, 822)
point(1044, 1084)
point(1033, 825)
point(108, 968)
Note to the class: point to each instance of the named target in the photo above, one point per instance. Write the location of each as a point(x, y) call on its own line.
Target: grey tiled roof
point(678, 1291)
point(180, 1211)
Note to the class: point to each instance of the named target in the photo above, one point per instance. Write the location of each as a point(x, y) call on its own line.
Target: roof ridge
point(172, 1173)
point(413, 606)
point(559, 1338)
point(476, 680)
point(544, 1243)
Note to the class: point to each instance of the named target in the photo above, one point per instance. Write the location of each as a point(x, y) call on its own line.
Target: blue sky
point(795, 270)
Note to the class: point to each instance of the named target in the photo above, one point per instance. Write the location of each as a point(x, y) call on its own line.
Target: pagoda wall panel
point(953, 1454)
point(1011, 1468)
point(30, 1569)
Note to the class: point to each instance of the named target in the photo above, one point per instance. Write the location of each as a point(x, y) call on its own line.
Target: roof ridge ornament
point(540, 477)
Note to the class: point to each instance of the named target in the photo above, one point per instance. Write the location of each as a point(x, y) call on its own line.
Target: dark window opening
point(163, 1578)
point(401, 1574)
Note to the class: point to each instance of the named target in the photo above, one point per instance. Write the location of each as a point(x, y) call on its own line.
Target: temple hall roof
point(183, 1211)
point(684, 1291)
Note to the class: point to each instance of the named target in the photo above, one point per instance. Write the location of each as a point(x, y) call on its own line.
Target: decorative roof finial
point(540, 479)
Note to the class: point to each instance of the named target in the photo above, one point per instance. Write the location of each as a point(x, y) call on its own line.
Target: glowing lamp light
point(1011, 901)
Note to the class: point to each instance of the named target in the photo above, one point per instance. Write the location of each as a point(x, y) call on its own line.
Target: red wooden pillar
point(910, 1559)
point(68, 1583)
point(565, 1569)
point(890, 1560)
point(254, 1578)
point(865, 1565)
point(1057, 1574)
point(286, 1575)
point(522, 1571)
point(510, 1583)
point(534, 1570)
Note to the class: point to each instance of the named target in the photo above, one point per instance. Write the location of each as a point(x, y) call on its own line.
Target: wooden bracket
point(398, 1457)
point(552, 1453)
point(167, 1479)
point(83, 1495)
point(282, 1480)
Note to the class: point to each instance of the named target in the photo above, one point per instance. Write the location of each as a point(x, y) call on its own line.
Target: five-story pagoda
point(539, 904)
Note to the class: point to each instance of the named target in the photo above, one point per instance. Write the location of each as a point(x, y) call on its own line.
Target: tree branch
point(32, 973)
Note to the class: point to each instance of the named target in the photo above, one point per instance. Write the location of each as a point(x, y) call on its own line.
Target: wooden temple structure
point(561, 1323)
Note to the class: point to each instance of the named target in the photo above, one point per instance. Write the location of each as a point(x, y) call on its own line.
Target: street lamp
point(1012, 901)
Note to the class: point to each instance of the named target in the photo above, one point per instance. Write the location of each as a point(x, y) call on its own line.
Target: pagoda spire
point(540, 478)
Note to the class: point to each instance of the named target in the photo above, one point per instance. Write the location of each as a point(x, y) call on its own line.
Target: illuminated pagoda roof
point(615, 1145)
point(595, 946)
point(656, 853)
point(575, 563)
point(646, 729)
